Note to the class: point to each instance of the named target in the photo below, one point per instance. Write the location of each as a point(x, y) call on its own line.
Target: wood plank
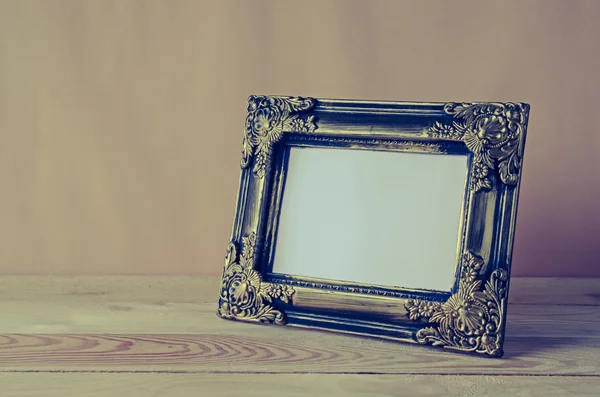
point(135, 289)
point(295, 351)
point(178, 305)
point(554, 291)
point(169, 324)
point(221, 385)
point(187, 305)
point(165, 317)
point(156, 289)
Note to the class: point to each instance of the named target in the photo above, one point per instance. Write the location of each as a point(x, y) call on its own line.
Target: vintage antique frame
point(469, 318)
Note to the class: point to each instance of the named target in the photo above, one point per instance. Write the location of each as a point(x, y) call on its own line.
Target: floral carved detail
point(268, 118)
point(244, 296)
point(493, 132)
point(472, 319)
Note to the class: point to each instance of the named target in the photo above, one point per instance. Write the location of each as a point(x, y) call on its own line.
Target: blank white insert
point(383, 218)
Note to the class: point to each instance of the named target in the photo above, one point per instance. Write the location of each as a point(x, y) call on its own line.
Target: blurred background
point(121, 120)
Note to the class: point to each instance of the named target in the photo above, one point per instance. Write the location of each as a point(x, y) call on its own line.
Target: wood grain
point(160, 336)
point(169, 324)
point(165, 317)
point(178, 305)
point(221, 385)
point(296, 351)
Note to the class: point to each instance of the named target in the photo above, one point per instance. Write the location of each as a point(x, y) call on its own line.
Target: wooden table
point(159, 336)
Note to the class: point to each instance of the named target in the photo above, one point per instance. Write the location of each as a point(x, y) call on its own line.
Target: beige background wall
point(121, 121)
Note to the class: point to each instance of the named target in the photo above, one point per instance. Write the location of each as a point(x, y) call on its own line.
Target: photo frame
point(282, 134)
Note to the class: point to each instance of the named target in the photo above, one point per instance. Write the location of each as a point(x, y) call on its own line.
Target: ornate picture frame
point(471, 317)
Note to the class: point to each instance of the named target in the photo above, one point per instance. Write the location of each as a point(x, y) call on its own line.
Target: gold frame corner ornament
point(472, 319)
point(244, 295)
point(493, 132)
point(268, 118)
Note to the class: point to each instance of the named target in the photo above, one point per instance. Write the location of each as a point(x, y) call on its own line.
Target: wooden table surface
point(159, 336)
